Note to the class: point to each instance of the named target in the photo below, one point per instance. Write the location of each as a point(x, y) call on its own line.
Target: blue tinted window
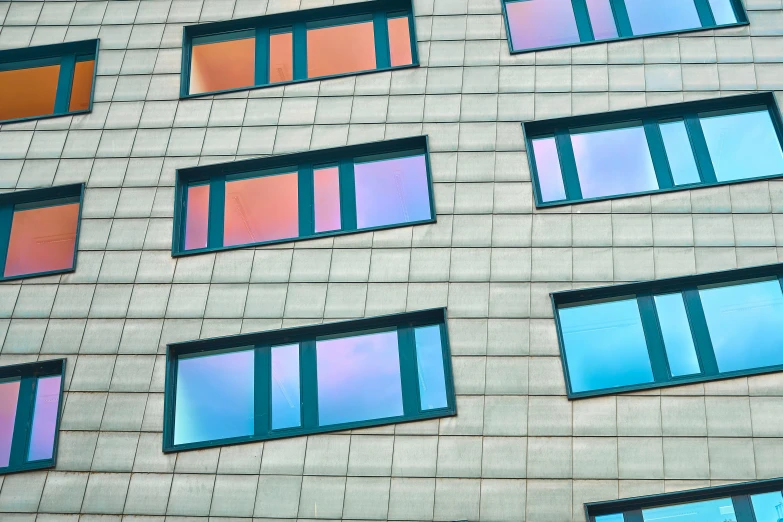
point(723, 12)
point(658, 16)
point(679, 153)
point(610, 518)
point(550, 178)
point(432, 379)
point(677, 336)
point(720, 510)
point(601, 19)
point(286, 402)
point(768, 507)
point(541, 23)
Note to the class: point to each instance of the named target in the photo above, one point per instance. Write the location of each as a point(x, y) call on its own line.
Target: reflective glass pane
point(723, 13)
point(358, 378)
point(392, 191)
point(42, 240)
point(605, 345)
point(612, 162)
point(261, 209)
point(214, 397)
point(743, 145)
point(340, 49)
point(541, 23)
point(550, 177)
point(46, 408)
point(659, 16)
point(326, 183)
point(281, 57)
point(677, 336)
point(197, 217)
point(221, 66)
point(768, 507)
point(744, 323)
point(720, 510)
point(82, 86)
point(610, 518)
point(602, 19)
point(400, 41)
point(679, 152)
point(9, 396)
point(429, 356)
point(286, 402)
point(25, 93)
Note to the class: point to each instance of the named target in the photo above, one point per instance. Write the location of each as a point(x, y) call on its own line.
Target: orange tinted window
point(197, 217)
point(340, 49)
point(326, 202)
point(400, 42)
point(42, 240)
point(261, 209)
point(281, 57)
point(82, 86)
point(28, 92)
point(223, 65)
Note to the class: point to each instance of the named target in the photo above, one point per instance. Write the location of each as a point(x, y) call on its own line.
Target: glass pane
point(677, 336)
point(550, 177)
point(47, 405)
point(281, 57)
point(214, 397)
point(400, 41)
point(327, 199)
point(768, 507)
point(42, 240)
point(744, 323)
point(392, 191)
point(602, 20)
point(197, 217)
point(429, 356)
point(340, 49)
point(9, 395)
point(358, 378)
point(605, 345)
point(723, 12)
point(743, 145)
point(221, 66)
point(720, 510)
point(679, 152)
point(610, 518)
point(541, 23)
point(261, 209)
point(659, 16)
point(286, 402)
point(613, 162)
point(82, 86)
point(28, 92)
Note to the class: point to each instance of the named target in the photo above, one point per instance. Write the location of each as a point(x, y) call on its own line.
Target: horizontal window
point(50, 80)
point(298, 46)
point(669, 332)
point(307, 380)
point(655, 149)
point(30, 397)
point(543, 24)
point(39, 231)
point(296, 196)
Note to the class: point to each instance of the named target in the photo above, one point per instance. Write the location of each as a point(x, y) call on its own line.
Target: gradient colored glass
point(658, 16)
point(743, 145)
point(768, 507)
point(605, 345)
point(340, 49)
point(400, 41)
point(679, 152)
point(601, 19)
point(432, 377)
point(719, 510)
point(677, 336)
point(286, 399)
point(45, 412)
point(222, 66)
point(358, 378)
point(25, 93)
point(215, 397)
point(745, 324)
point(261, 209)
point(389, 192)
point(42, 240)
point(326, 183)
point(613, 162)
point(81, 92)
point(281, 57)
point(541, 23)
point(550, 177)
point(723, 12)
point(197, 217)
point(9, 396)
point(618, 517)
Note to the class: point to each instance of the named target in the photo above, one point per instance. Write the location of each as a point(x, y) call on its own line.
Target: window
point(297, 196)
point(307, 380)
point(298, 46)
point(39, 230)
point(46, 81)
point(30, 397)
point(655, 149)
point(543, 24)
point(675, 331)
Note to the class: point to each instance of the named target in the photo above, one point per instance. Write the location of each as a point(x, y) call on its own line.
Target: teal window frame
point(304, 163)
point(28, 374)
point(651, 118)
point(65, 55)
point(260, 27)
point(623, 23)
point(644, 293)
point(262, 343)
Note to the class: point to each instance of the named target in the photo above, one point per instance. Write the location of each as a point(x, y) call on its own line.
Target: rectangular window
point(655, 149)
point(46, 81)
point(222, 66)
point(30, 404)
point(306, 380)
point(297, 196)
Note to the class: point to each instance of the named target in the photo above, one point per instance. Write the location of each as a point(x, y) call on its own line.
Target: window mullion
point(621, 18)
point(23, 421)
point(658, 154)
point(308, 372)
point(347, 195)
point(701, 333)
point(654, 338)
point(633, 516)
point(582, 20)
point(300, 50)
point(409, 373)
point(64, 84)
point(565, 152)
point(6, 220)
point(262, 56)
point(306, 201)
point(262, 384)
point(217, 211)
point(381, 31)
point(705, 13)
point(700, 150)
point(743, 508)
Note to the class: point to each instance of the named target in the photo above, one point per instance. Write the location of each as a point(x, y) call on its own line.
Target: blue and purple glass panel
point(677, 336)
point(768, 507)
point(286, 396)
point(679, 153)
point(358, 378)
point(214, 397)
point(723, 12)
point(9, 396)
point(719, 510)
point(541, 23)
point(602, 19)
point(432, 377)
point(326, 184)
point(46, 408)
point(390, 192)
point(550, 177)
point(660, 16)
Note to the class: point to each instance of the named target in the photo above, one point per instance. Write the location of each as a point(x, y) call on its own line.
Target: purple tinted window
point(358, 378)
point(541, 23)
point(286, 401)
point(601, 19)
point(658, 16)
point(9, 395)
point(47, 405)
point(550, 177)
point(392, 191)
point(327, 199)
point(432, 378)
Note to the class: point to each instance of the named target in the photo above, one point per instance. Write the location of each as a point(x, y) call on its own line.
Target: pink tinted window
point(400, 42)
point(601, 19)
point(541, 23)
point(340, 49)
point(47, 405)
point(281, 57)
point(9, 395)
point(261, 209)
point(327, 199)
point(197, 217)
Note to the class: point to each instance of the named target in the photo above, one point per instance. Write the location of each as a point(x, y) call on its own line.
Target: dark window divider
point(705, 13)
point(654, 338)
point(565, 151)
point(65, 84)
point(621, 19)
point(22, 422)
point(700, 332)
point(582, 20)
point(663, 173)
point(700, 150)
